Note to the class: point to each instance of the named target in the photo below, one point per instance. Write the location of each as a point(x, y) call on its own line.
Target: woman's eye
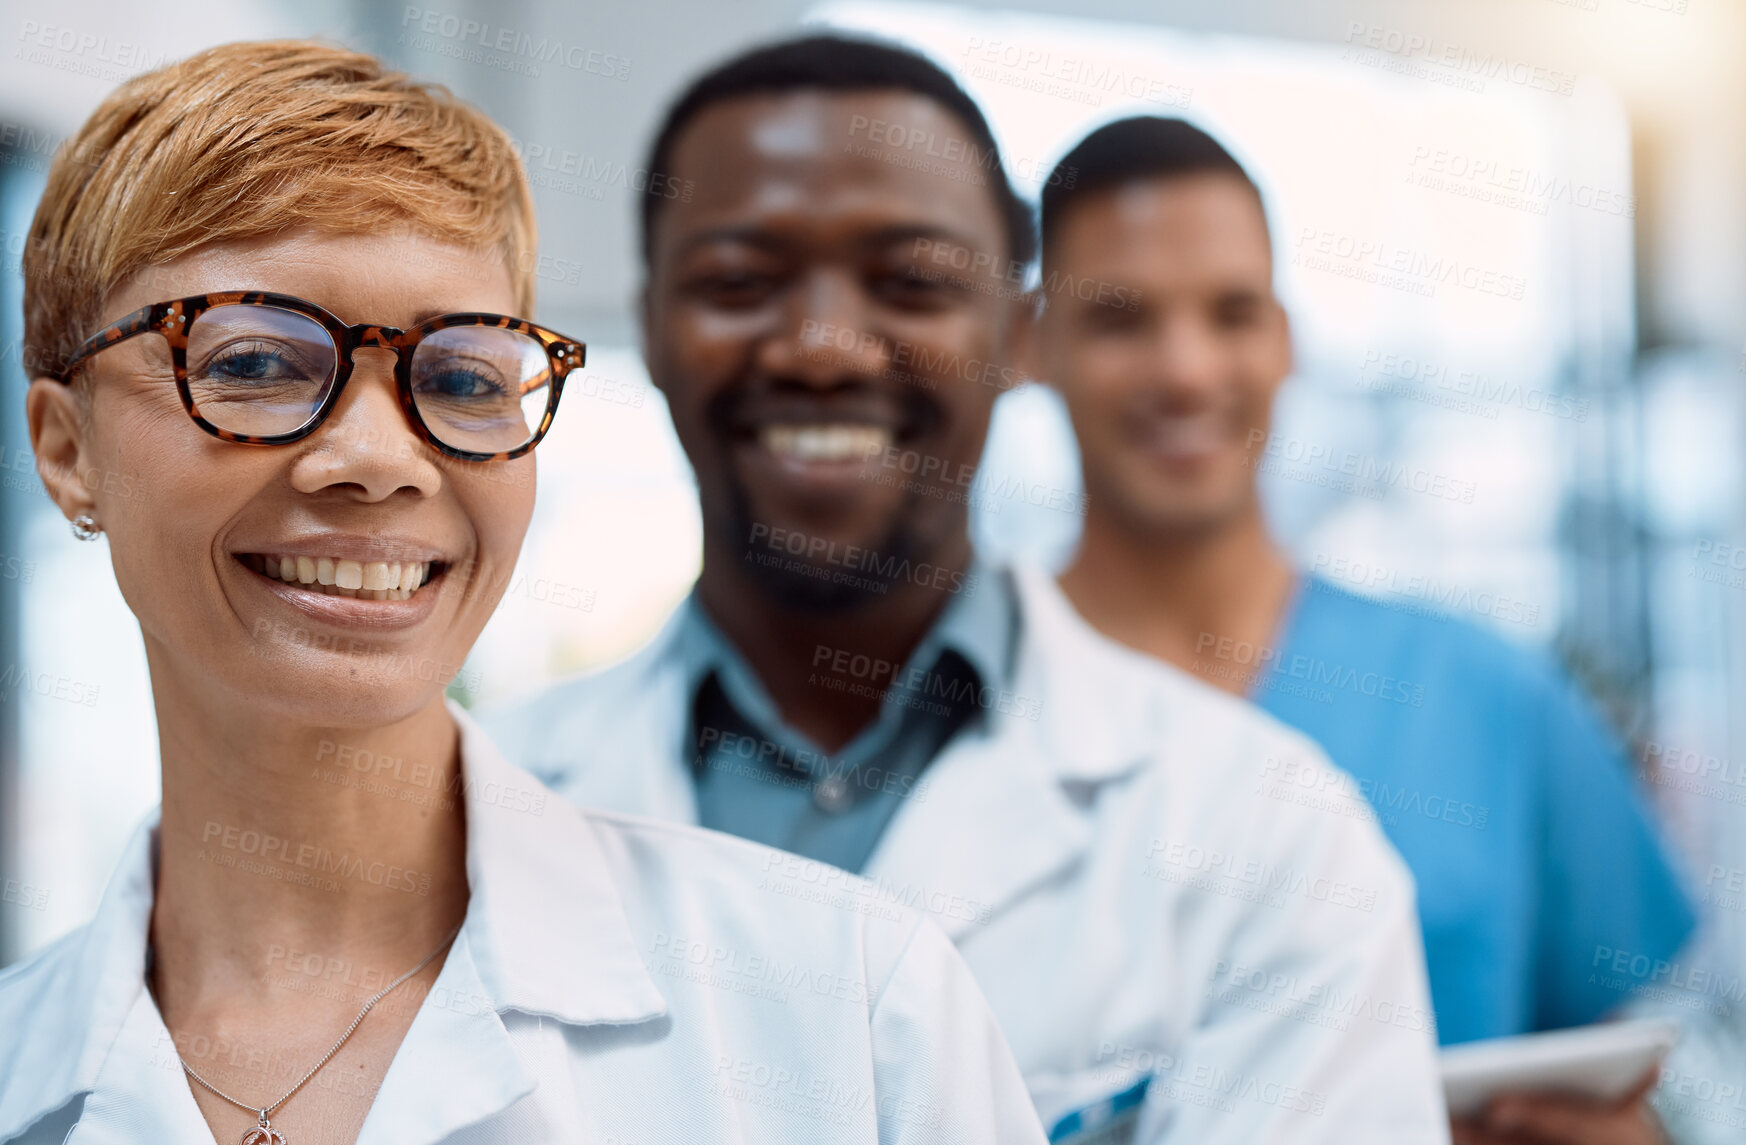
point(255, 364)
point(460, 383)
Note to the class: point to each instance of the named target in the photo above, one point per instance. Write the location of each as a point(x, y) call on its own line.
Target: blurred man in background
point(831, 316)
point(1512, 804)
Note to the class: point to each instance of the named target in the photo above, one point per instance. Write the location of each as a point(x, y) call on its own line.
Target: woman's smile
point(349, 579)
point(337, 576)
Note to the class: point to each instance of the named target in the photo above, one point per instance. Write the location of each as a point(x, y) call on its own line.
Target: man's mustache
point(740, 409)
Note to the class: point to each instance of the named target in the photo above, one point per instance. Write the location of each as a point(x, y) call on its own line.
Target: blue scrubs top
point(1501, 787)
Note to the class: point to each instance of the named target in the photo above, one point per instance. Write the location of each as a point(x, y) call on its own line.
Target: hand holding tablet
point(1603, 1062)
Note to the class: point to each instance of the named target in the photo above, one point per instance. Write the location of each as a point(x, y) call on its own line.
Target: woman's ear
point(57, 433)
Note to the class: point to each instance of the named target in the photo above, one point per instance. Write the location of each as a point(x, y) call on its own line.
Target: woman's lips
point(337, 576)
point(360, 607)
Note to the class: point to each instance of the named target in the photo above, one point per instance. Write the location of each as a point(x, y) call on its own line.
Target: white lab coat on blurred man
point(1187, 928)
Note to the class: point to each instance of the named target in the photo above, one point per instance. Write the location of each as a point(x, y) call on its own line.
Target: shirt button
point(831, 794)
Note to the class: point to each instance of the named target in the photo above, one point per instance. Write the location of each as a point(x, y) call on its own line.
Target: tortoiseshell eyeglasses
point(267, 369)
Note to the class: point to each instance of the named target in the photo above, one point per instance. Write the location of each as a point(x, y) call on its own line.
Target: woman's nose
point(367, 442)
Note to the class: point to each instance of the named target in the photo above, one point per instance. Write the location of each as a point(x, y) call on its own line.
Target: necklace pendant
point(263, 1134)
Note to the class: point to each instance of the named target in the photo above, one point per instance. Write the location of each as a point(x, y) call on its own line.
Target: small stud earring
point(85, 527)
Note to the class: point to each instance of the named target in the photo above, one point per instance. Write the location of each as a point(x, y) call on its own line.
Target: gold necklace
point(263, 1132)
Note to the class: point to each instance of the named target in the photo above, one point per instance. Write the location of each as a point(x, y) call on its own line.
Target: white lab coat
point(1153, 881)
point(615, 980)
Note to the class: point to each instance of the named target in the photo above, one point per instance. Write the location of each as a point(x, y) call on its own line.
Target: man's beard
point(849, 576)
point(859, 576)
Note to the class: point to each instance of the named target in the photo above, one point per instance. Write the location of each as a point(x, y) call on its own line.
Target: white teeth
point(363, 580)
point(1191, 435)
point(836, 442)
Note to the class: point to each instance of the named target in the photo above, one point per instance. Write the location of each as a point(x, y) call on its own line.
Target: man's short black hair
point(833, 63)
point(1132, 151)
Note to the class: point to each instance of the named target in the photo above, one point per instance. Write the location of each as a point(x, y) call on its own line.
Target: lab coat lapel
point(455, 1067)
point(990, 823)
point(993, 817)
point(545, 935)
point(141, 1084)
point(94, 993)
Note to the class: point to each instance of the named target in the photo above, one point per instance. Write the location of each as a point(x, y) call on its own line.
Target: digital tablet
point(1602, 1061)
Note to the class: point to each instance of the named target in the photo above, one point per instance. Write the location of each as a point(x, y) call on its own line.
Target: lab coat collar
point(1102, 704)
point(1001, 819)
point(545, 927)
point(87, 982)
point(545, 922)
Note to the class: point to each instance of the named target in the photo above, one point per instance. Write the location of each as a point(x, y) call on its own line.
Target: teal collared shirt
point(759, 778)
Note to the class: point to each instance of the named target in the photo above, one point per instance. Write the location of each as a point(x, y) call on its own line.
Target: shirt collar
point(545, 925)
point(980, 622)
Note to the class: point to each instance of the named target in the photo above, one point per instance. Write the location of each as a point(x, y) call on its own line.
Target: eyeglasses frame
point(173, 319)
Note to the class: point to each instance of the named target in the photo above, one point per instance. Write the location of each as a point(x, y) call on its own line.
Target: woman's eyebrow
point(423, 316)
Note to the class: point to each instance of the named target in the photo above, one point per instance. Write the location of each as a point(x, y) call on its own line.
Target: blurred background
point(1546, 402)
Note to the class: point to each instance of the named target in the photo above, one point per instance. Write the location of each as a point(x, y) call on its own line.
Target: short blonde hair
point(250, 139)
